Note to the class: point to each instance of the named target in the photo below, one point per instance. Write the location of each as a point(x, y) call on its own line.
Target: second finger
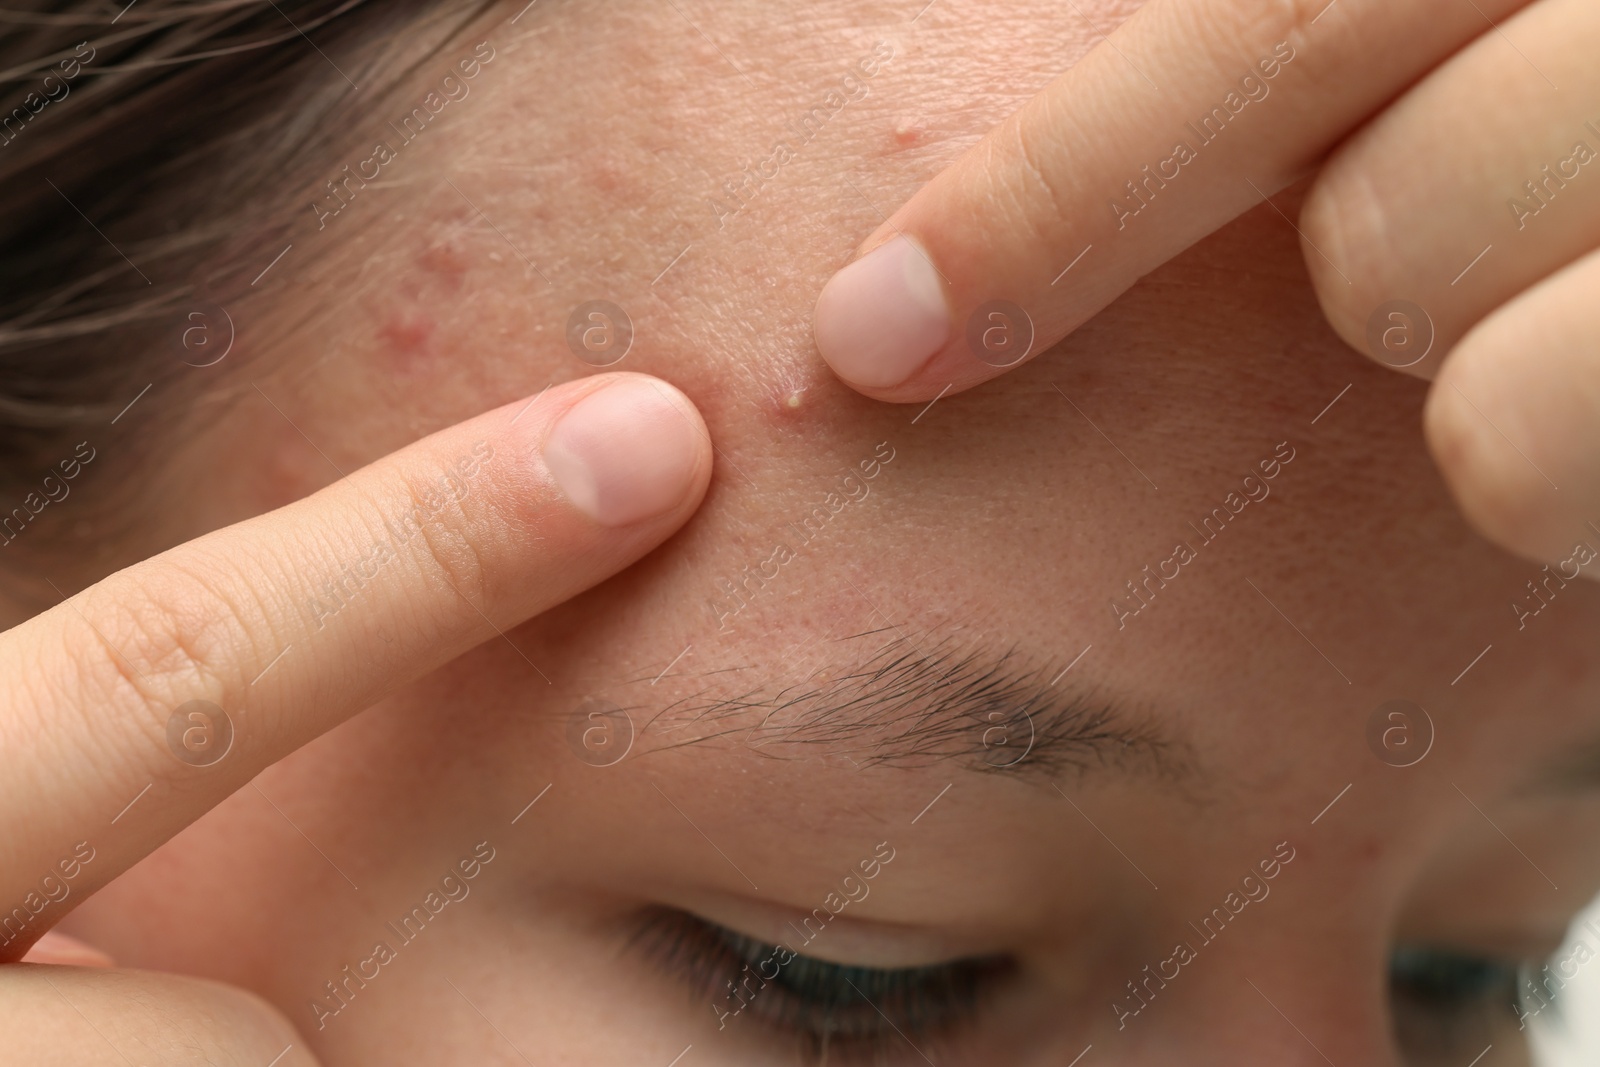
point(1514, 421)
point(1479, 182)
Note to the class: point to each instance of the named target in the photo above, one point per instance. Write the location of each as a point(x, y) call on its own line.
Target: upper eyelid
point(765, 949)
point(852, 936)
point(667, 921)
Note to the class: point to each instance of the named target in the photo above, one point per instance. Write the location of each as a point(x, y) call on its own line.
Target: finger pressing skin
point(1187, 115)
point(1514, 421)
point(185, 675)
point(1471, 187)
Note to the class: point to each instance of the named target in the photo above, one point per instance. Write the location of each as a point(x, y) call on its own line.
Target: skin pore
point(836, 713)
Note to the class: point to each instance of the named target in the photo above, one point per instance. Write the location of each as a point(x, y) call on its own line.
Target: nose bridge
point(1309, 1005)
point(1292, 1022)
point(1246, 1031)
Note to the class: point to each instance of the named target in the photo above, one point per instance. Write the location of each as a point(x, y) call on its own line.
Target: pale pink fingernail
point(882, 318)
point(625, 452)
point(63, 951)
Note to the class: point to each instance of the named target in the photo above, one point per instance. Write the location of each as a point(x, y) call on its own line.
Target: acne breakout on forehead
point(870, 681)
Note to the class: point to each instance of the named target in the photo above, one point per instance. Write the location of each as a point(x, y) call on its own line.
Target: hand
point(1485, 143)
point(167, 686)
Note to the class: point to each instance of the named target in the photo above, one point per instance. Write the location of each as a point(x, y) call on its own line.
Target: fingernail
point(63, 951)
point(624, 453)
point(1523, 448)
point(880, 319)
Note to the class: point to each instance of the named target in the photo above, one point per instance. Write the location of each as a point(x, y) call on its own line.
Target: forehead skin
point(590, 162)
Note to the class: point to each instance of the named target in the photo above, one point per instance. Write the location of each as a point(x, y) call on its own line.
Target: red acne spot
point(607, 178)
point(407, 330)
point(909, 134)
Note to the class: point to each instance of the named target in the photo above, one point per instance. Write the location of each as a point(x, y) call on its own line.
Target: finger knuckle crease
point(1037, 174)
point(172, 638)
point(446, 543)
point(1282, 20)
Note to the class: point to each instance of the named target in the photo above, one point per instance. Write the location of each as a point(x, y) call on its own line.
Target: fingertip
point(883, 317)
point(1324, 246)
point(631, 449)
point(1344, 243)
point(1497, 484)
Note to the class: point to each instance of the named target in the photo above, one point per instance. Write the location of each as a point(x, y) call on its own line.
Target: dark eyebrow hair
point(987, 709)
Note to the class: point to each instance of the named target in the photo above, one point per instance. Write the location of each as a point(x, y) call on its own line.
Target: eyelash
point(1444, 998)
point(816, 1003)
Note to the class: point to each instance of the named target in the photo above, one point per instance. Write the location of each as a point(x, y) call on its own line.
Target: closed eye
point(836, 1012)
point(1447, 1004)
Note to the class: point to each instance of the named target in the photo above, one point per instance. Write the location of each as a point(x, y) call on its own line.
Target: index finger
point(138, 704)
point(1190, 113)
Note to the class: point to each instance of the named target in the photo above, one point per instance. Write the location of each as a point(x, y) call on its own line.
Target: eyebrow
point(987, 709)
